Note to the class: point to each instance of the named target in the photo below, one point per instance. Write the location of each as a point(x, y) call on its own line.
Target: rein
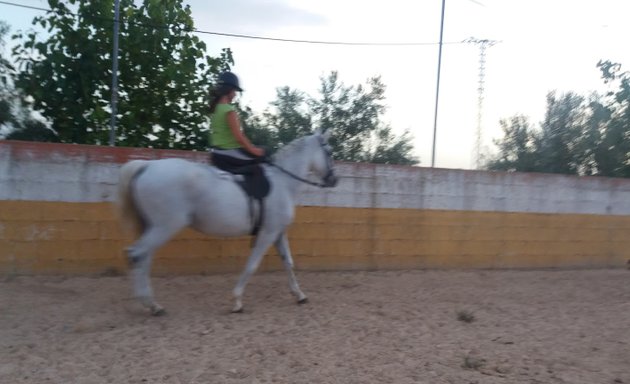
point(296, 177)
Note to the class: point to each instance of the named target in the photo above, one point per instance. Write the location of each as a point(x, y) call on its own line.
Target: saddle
point(253, 180)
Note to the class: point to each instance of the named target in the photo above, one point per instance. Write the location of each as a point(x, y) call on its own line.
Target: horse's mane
point(290, 149)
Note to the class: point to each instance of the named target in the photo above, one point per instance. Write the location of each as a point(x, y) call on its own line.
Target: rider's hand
point(258, 152)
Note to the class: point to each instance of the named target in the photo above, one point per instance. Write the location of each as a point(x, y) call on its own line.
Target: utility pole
point(114, 102)
point(437, 90)
point(483, 45)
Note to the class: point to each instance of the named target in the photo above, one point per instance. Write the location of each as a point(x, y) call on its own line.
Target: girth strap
point(256, 220)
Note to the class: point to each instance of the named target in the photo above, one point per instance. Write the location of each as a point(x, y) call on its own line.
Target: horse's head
point(322, 163)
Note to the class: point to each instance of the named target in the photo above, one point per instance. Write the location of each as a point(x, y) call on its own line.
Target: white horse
point(160, 197)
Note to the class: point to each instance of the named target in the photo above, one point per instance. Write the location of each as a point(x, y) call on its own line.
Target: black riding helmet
point(230, 79)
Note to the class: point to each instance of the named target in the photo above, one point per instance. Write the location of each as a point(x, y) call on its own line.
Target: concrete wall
point(56, 216)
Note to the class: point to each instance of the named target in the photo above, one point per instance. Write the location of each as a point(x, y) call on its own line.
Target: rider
point(231, 149)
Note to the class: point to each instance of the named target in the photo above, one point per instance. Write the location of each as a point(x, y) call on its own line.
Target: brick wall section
point(56, 217)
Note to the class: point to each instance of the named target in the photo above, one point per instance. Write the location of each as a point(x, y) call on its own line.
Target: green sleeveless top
point(220, 134)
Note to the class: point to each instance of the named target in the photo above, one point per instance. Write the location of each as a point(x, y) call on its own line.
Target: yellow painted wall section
point(85, 238)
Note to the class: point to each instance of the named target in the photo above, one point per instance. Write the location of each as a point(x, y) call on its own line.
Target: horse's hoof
point(303, 301)
point(237, 310)
point(158, 312)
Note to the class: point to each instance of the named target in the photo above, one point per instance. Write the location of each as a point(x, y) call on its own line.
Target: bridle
point(327, 179)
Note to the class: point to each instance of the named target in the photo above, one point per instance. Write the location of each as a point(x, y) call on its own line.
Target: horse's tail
point(128, 211)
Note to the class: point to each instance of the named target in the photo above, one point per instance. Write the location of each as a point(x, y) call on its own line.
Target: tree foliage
point(6, 73)
point(163, 78)
point(16, 121)
point(579, 135)
point(559, 141)
point(353, 114)
point(612, 152)
point(516, 148)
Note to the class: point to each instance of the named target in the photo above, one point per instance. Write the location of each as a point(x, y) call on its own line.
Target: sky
point(541, 46)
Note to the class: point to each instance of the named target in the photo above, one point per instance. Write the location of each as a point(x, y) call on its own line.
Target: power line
point(251, 37)
point(319, 42)
point(24, 6)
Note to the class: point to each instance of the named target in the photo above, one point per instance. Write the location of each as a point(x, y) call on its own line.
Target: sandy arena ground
point(359, 327)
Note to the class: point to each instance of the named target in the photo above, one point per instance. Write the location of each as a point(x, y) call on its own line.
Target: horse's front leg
point(282, 245)
point(263, 241)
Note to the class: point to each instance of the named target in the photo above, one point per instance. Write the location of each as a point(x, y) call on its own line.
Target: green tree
point(592, 159)
point(30, 129)
point(558, 144)
point(352, 113)
point(287, 121)
point(163, 78)
point(387, 148)
point(16, 122)
point(291, 118)
point(586, 136)
point(561, 144)
point(6, 74)
point(256, 129)
point(516, 147)
point(612, 151)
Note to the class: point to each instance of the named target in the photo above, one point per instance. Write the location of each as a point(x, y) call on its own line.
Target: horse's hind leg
point(282, 245)
point(263, 241)
point(140, 256)
point(142, 285)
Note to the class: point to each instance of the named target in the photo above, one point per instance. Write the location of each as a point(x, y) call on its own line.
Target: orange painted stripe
point(85, 238)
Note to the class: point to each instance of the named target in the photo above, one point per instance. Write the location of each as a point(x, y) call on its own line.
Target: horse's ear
point(326, 134)
point(317, 132)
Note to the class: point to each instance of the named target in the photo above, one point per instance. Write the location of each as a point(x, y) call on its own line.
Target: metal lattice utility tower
point(483, 45)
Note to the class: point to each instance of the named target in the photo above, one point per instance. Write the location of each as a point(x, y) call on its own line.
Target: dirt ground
point(358, 327)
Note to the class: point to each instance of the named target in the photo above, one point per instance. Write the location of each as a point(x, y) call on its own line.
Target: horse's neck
point(294, 162)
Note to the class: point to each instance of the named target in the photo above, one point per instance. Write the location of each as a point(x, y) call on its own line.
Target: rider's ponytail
point(216, 94)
